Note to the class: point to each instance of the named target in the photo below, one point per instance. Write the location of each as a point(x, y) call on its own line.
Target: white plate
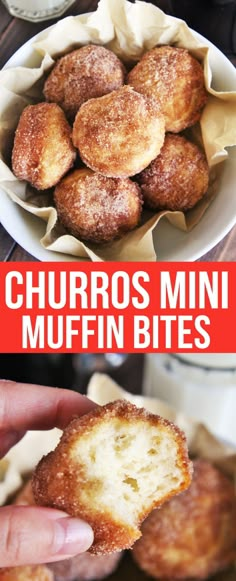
point(170, 243)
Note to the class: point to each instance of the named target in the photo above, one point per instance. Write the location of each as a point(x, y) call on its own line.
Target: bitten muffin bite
point(28, 573)
point(90, 71)
point(86, 567)
point(96, 208)
point(43, 150)
point(193, 535)
point(176, 80)
point(111, 468)
point(119, 134)
point(178, 178)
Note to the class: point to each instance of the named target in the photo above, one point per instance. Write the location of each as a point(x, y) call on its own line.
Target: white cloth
point(206, 394)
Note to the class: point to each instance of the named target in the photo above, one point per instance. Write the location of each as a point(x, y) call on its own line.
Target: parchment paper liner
point(129, 30)
point(201, 442)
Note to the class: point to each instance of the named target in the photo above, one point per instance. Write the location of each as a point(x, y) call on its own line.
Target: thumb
point(31, 535)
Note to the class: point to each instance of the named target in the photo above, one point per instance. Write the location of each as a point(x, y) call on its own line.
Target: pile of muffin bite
point(125, 128)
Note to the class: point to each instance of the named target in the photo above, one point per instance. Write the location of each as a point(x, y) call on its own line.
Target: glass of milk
point(37, 10)
point(200, 385)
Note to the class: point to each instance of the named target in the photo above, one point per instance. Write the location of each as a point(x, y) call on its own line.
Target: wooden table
point(15, 32)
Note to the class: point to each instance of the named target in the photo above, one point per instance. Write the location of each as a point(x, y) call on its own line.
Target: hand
point(33, 535)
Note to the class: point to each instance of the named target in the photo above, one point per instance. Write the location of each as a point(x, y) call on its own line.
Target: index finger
point(36, 407)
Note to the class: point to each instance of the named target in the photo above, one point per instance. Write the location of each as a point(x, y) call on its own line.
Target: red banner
point(117, 307)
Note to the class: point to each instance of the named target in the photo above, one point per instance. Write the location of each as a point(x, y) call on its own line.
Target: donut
point(86, 567)
point(43, 151)
point(176, 80)
point(193, 535)
point(178, 178)
point(119, 134)
point(96, 208)
point(27, 573)
point(90, 71)
point(111, 468)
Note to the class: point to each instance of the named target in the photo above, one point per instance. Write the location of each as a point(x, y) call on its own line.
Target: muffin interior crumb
point(129, 464)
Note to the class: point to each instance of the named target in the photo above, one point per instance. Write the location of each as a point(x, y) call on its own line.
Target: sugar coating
point(43, 150)
point(193, 535)
point(111, 468)
point(176, 80)
point(88, 72)
point(119, 134)
point(96, 208)
point(178, 177)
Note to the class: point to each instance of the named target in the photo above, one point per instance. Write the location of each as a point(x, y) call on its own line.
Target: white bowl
point(170, 243)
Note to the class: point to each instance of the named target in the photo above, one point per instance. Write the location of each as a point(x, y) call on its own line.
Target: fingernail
point(73, 536)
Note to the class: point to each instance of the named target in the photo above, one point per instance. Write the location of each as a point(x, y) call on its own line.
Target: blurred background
point(73, 371)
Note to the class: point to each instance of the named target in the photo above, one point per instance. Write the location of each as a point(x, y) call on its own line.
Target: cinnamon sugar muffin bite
point(43, 150)
point(111, 468)
point(178, 178)
point(88, 72)
point(175, 78)
point(193, 535)
point(119, 134)
point(96, 208)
